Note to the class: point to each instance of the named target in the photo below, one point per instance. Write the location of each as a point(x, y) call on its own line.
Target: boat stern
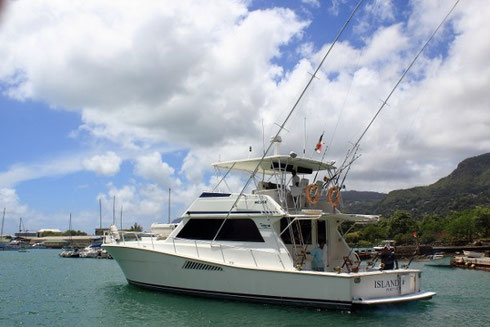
point(386, 287)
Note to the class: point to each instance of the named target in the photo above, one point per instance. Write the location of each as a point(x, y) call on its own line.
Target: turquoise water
point(38, 288)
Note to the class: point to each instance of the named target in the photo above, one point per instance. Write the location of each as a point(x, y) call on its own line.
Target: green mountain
point(361, 202)
point(466, 187)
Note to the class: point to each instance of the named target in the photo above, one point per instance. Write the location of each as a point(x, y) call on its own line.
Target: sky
point(126, 99)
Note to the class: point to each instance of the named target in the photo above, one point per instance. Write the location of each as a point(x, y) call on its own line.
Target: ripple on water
point(38, 288)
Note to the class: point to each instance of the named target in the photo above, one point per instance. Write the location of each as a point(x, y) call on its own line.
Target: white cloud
point(151, 167)
point(313, 3)
point(141, 203)
point(382, 9)
point(56, 166)
point(147, 71)
point(14, 209)
point(107, 164)
point(10, 200)
point(202, 77)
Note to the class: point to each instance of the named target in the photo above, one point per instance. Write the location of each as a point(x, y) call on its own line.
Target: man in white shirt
point(317, 263)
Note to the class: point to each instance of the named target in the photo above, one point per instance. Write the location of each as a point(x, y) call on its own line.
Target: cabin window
point(200, 229)
point(305, 231)
point(239, 230)
point(321, 231)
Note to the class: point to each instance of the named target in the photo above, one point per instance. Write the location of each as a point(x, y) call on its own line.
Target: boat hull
point(191, 276)
point(440, 262)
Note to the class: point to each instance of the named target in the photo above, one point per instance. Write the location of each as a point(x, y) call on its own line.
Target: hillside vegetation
point(467, 187)
point(455, 209)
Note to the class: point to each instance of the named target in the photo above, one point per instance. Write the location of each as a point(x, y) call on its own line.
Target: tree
point(430, 228)
point(461, 225)
point(72, 232)
point(374, 233)
point(401, 223)
point(136, 228)
point(482, 221)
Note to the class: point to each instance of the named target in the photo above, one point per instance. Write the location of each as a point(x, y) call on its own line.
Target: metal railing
point(122, 238)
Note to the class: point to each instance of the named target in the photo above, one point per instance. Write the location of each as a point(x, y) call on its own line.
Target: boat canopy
point(272, 164)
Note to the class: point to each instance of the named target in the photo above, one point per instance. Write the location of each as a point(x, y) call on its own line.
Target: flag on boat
point(318, 147)
point(414, 234)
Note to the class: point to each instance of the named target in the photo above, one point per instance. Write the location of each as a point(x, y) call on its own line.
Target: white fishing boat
point(255, 245)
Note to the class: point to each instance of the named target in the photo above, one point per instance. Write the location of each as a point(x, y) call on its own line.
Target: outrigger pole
point(353, 150)
point(289, 115)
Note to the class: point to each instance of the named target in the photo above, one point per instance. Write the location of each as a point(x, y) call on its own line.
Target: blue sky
point(103, 99)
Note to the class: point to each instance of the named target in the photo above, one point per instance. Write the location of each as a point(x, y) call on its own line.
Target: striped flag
point(318, 147)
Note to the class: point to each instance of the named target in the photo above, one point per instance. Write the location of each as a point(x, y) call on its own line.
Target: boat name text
point(390, 285)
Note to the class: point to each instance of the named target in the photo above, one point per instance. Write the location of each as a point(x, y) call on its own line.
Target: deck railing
point(137, 239)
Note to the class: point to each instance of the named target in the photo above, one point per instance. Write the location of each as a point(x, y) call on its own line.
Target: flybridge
point(270, 165)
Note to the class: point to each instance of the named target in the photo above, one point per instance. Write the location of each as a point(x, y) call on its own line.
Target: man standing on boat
point(294, 179)
point(388, 258)
point(295, 189)
point(317, 261)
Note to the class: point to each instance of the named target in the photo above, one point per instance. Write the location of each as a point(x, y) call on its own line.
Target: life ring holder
point(333, 202)
point(308, 194)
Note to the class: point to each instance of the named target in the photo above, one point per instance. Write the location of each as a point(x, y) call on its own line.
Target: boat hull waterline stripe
point(249, 297)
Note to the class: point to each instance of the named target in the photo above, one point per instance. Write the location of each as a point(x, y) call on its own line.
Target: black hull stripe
point(226, 212)
point(324, 304)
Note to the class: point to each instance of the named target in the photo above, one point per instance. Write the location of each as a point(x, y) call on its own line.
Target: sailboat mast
point(3, 220)
point(121, 215)
point(114, 210)
point(100, 213)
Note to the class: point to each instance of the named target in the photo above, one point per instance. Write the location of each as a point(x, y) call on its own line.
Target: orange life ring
point(308, 194)
point(337, 196)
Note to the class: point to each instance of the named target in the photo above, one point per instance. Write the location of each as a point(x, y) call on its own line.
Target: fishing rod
point(281, 127)
point(399, 81)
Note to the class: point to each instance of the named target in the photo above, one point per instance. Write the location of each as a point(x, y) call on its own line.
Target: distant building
point(26, 234)
point(100, 231)
point(48, 231)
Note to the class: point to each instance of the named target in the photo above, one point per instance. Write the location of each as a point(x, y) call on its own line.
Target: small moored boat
point(440, 260)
